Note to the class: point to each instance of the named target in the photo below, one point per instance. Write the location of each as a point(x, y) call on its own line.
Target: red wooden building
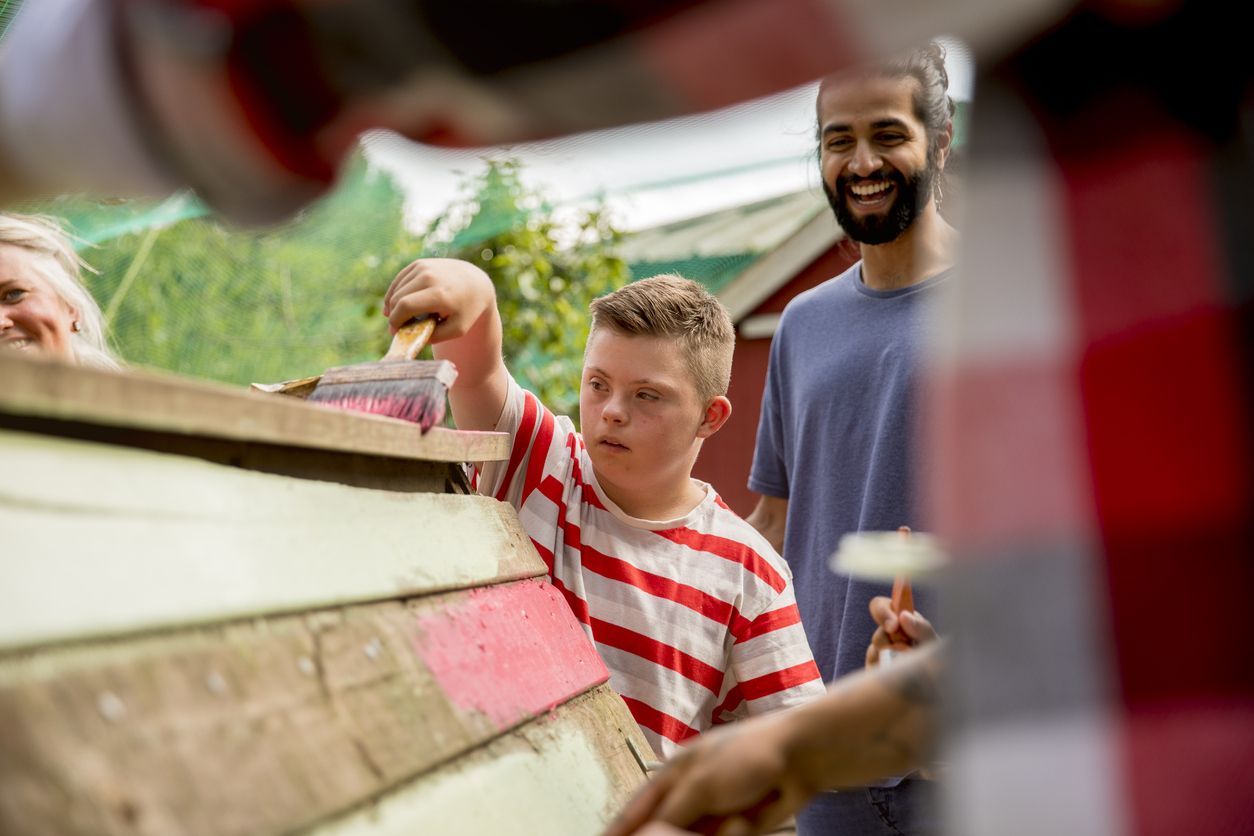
point(755, 258)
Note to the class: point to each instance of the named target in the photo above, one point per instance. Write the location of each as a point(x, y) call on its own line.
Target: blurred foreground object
point(1093, 425)
point(255, 104)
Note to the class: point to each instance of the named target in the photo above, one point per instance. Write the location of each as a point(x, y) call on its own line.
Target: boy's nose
point(614, 412)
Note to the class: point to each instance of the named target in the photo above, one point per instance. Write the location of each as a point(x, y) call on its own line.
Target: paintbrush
point(902, 600)
point(398, 386)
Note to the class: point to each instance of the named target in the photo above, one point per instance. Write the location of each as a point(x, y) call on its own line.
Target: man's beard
point(883, 228)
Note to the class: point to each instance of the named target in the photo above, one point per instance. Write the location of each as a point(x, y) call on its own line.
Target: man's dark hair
point(932, 103)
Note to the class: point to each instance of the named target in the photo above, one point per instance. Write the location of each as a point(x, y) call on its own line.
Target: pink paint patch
point(510, 652)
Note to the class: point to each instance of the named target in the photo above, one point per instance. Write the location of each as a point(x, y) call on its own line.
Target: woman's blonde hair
point(60, 266)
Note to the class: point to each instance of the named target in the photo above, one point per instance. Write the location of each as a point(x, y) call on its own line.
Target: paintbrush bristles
point(419, 402)
point(441, 370)
point(412, 390)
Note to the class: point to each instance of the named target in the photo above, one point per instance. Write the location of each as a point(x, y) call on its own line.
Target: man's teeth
point(870, 189)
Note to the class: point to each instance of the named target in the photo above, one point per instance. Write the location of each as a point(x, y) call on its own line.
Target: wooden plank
point(268, 726)
point(356, 469)
point(146, 400)
point(566, 774)
point(103, 540)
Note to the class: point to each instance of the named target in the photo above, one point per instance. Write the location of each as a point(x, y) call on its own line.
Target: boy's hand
point(891, 626)
point(468, 331)
point(457, 292)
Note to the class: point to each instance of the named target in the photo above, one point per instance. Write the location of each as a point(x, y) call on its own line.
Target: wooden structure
point(224, 612)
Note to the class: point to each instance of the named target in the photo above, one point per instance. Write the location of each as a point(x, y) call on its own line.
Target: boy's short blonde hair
point(679, 308)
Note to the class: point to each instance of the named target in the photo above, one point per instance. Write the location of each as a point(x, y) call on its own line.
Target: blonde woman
point(44, 306)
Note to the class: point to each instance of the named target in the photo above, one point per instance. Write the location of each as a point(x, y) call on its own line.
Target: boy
point(690, 608)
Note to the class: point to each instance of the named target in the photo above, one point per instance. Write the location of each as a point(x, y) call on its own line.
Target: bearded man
point(835, 450)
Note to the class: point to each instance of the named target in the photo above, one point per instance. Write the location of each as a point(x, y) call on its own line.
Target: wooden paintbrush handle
point(411, 338)
point(903, 594)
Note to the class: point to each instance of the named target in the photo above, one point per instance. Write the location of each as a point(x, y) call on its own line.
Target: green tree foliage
point(546, 271)
point(187, 294)
point(207, 300)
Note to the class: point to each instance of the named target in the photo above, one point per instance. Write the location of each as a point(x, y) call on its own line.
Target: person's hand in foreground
point(891, 627)
point(699, 791)
point(751, 776)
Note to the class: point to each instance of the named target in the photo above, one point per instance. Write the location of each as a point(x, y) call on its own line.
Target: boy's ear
point(716, 414)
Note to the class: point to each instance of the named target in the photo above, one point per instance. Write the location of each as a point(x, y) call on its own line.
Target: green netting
point(715, 272)
point(8, 8)
point(183, 292)
point(95, 222)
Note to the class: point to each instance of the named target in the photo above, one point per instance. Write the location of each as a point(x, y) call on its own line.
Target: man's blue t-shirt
point(836, 439)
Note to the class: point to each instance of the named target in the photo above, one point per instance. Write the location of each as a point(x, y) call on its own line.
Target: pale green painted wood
point(103, 540)
point(565, 775)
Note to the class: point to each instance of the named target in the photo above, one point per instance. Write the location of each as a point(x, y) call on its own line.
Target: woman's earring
point(76, 326)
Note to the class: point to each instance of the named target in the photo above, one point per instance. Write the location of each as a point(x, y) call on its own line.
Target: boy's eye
point(647, 396)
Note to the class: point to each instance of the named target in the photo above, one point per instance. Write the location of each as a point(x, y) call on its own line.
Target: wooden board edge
point(162, 402)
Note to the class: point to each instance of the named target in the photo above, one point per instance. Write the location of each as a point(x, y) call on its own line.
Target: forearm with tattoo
point(871, 725)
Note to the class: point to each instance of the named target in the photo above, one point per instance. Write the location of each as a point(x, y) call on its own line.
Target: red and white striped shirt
point(694, 617)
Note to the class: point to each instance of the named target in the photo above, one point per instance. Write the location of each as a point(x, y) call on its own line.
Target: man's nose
point(865, 160)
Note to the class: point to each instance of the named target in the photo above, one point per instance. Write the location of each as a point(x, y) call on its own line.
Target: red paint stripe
point(522, 440)
point(780, 681)
point(659, 722)
point(519, 633)
point(728, 549)
point(539, 450)
point(667, 589)
point(659, 653)
point(769, 622)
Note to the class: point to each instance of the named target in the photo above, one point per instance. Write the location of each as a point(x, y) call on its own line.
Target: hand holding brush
point(398, 386)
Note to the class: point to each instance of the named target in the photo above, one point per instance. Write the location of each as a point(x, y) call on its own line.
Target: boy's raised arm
point(468, 333)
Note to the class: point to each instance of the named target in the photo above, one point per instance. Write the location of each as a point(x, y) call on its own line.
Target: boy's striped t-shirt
point(694, 617)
